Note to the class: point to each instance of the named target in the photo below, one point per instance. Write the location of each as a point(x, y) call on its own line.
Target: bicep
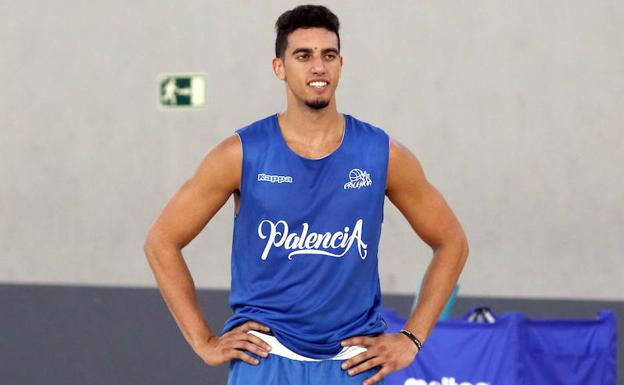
point(201, 196)
point(418, 200)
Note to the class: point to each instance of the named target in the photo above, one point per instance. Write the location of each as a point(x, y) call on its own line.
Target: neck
point(314, 126)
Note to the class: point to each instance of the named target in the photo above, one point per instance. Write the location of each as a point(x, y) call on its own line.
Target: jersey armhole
point(242, 177)
point(385, 182)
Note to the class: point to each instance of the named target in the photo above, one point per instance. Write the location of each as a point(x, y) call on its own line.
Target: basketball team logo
point(358, 179)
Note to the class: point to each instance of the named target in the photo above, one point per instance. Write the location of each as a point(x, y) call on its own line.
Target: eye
point(330, 56)
point(302, 56)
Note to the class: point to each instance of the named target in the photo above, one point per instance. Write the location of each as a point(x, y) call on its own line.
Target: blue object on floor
point(512, 350)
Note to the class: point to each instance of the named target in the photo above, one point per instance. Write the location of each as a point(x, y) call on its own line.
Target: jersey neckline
point(345, 134)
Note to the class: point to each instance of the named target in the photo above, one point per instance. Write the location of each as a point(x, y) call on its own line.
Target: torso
point(306, 236)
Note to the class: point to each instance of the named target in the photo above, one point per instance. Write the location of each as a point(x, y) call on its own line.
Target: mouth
point(319, 85)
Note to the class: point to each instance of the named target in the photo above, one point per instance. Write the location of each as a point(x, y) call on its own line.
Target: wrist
point(415, 340)
point(418, 330)
point(201, 343)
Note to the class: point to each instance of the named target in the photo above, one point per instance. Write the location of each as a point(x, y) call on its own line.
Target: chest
point(313, 151)
point(281, 187)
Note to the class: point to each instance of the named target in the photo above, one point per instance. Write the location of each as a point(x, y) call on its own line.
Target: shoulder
point(363, 126)
point(258, 128)
point(221, 164)
point(398, 150)
point(224, 160)
point(403, 167)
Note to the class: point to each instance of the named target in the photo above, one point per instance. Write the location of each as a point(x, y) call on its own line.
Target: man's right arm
point(184, 216)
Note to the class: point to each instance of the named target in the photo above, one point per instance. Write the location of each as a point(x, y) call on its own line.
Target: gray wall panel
point(87, 335)
point(513, 108)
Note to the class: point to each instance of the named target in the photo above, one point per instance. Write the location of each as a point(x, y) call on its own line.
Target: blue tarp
point(513, 350)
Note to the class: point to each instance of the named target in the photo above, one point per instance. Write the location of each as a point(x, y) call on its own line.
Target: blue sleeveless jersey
point(304, 250)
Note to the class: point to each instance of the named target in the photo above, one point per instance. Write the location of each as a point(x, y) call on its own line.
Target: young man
point(309, 187)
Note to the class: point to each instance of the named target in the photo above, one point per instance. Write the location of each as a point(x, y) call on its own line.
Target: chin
point(317, 104)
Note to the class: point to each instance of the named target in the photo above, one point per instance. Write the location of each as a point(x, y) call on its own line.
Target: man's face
point(311, 66)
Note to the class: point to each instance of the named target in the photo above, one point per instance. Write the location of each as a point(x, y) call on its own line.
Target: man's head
point(304, 16)
point(307, 50)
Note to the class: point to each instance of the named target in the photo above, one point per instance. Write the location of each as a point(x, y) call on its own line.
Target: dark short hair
point(303, 16)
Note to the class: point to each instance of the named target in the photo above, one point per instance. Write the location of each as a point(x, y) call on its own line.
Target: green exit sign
point(182, 90)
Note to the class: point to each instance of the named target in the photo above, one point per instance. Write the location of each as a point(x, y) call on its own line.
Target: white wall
point(514, 109)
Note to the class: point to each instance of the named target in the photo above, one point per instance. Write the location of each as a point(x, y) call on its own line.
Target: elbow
point(454, 251)
point(464, 250)
point(156, 244)
point(149, 247)
point(458, 249)
point(150, 241)
point(152, 245)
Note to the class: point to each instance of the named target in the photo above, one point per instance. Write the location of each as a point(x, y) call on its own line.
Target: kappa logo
point(358, 179)
point(275, 178)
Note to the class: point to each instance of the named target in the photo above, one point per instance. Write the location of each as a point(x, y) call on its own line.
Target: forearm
point(438, 284)
point(178, 291)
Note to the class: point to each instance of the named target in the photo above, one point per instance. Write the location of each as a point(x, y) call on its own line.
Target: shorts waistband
point(279, 349)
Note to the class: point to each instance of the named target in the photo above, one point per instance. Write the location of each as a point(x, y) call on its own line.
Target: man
point(309, 187)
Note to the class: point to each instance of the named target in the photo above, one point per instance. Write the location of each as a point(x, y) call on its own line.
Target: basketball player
point(309, 186)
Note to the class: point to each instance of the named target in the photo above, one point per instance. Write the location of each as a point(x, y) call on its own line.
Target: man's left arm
point(432, 219)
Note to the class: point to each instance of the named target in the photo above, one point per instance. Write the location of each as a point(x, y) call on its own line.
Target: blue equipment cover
point(512, 350)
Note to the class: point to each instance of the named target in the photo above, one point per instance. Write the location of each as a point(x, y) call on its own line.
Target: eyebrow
point(309, 50)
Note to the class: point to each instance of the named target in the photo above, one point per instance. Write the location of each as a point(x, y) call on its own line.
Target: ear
point(278, 68)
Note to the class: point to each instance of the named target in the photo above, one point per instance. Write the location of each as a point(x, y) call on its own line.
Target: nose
point(318, 65)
